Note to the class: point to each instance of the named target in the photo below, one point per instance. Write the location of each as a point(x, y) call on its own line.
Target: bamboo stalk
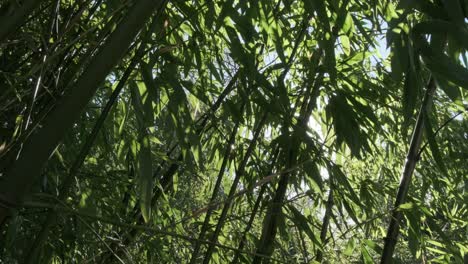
point(273, 216)
point(254, 212)
point(64, 190)
point(41, 144)
point(405, 181)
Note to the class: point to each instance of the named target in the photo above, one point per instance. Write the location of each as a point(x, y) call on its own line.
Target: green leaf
point(390, 12)
point(436, 60)
point(451, 90)
point(144, 114)
point(439, 27)
point(357, 58)
point(424, 6)
point(400, 58)
point(303, 223)
point(406, 206)
point(145, 178)
point(345, 44)
point(414, 234)
point(374, 246)
point(366, 257)
point(146, 73)
point(348, 25)
point(443, 66)
point(345, 123)
point(433, 145)
point(350, 247)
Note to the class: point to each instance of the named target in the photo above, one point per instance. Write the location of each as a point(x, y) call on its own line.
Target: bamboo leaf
point(345, 44)
point(406, 206)
point(145, 178)
point(410, 96)
point(345, 123)
point(434, 146)
point(366, 257)
point(302, 222)
point(343, 181)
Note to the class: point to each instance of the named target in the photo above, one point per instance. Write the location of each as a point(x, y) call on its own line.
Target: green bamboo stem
point(274, 213)
point(41, 144)
point(405, 181)
point(270, 223)
point(235, 259)
point(64, 190)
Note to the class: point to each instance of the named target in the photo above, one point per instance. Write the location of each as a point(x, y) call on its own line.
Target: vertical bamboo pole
point(405, 181)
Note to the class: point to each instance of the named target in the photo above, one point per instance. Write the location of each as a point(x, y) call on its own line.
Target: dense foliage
point(233, 131)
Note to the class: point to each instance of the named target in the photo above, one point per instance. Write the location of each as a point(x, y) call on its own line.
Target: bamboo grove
point(158, 131)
